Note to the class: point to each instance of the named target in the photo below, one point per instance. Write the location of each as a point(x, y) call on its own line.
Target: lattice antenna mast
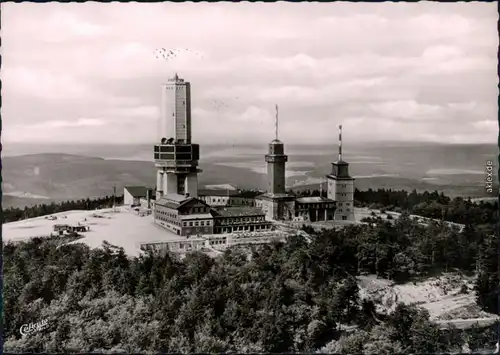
point(276, 122)
point(340, 142)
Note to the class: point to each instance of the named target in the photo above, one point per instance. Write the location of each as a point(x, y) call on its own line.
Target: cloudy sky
point(386, 71)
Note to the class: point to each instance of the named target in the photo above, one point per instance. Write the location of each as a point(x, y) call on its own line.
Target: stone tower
point(276, 160)
point(341, 187)
point(276, 203)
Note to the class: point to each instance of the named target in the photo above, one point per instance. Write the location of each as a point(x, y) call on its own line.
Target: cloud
point(66, 26)
point(409, 109)
point(82, 122)
point(44, 84)
point(59, 25)
point(412, 71)
point(55, 130)
point(137, 113)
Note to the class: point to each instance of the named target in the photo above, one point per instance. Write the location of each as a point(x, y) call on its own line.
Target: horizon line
point(4, 143)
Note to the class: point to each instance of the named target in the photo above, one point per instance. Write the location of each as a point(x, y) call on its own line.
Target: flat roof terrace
point(121, 228)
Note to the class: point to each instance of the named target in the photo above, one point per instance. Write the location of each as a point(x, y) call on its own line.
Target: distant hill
point(54, 177)
point(41, 178)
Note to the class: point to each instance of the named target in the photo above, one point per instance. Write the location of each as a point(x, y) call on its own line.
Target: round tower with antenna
point(341, 187)
point(276, 160)
point(277, 204)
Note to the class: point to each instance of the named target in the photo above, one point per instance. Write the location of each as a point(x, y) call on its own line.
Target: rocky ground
point(449, 298)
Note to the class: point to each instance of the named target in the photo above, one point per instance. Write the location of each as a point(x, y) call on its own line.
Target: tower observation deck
point(175, 156)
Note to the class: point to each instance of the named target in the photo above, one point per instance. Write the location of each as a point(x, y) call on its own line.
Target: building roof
point(237, 212)
point(335, 177)
point(175, 198)
point(268, 196)
point(218, 192)
point(196, 216)
point(168, 204)
point(137, 191)
point(176, 201)
point(314, 199)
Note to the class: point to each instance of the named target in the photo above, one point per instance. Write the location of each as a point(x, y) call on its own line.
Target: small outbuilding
point(132, 195)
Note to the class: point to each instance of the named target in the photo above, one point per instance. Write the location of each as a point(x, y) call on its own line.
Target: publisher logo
point(31, 328)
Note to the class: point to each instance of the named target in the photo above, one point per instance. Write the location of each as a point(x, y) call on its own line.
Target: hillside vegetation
point(427, 204)
point(293, 297)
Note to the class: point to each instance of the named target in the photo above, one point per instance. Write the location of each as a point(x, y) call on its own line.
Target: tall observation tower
point(276, 203)
point(176, 158)
point(341, 187)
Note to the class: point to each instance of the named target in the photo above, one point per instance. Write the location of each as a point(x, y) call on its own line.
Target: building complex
point(184, 210)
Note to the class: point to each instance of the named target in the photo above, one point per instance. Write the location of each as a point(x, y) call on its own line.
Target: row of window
point(306, 213)
point(195, 210)
point(315, 205)
point(177, 88)
point(216, 200)
point(341, 185)
point(347, 210)
point(167, 214)
point(171, 228)
point(215, 242)
point(241, 220)
point(169, 221)
point(197, 223)
point(228, 200)
point(199, 210)
point(242, 228)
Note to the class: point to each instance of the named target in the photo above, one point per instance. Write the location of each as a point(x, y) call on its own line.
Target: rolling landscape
point(362, 138)
point(39, 174)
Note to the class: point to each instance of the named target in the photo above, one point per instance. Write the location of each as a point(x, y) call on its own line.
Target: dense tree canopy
point(293, 297)
point(427, 204)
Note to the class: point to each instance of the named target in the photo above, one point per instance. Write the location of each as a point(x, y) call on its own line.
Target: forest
point(293, 297)
point(427, 204)
point(13, 214)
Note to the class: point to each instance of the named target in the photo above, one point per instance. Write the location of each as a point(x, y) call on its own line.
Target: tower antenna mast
point(276, 121)
point(340, 142)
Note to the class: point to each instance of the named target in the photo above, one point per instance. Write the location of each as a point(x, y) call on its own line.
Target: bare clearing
point(449, 298)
